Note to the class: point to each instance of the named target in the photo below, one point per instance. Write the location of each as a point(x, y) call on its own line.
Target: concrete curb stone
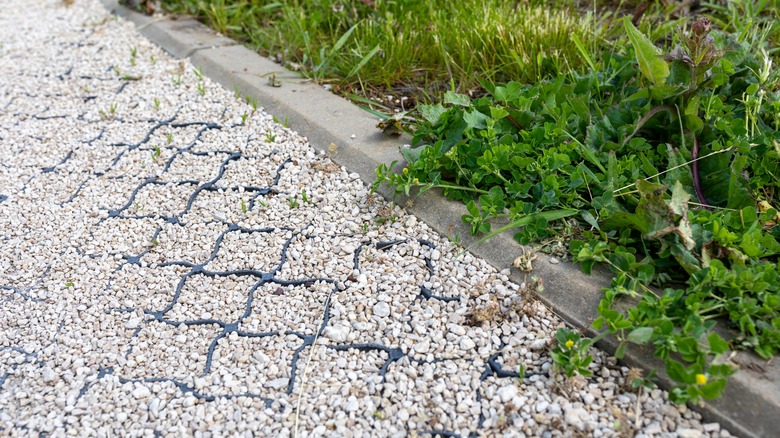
point(750, 406)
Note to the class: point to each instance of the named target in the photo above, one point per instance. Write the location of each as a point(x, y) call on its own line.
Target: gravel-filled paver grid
point(174, 263)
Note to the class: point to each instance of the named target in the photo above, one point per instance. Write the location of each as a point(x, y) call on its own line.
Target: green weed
point(110, 113)
point(156, 152)
point(665, 167)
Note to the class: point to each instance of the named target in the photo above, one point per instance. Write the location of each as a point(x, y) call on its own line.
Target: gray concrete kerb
point(751, 404)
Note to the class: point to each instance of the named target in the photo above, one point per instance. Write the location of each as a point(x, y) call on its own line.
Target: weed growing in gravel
point(284, 123)
point(304, 197)
point(169, 137)
point(293, 202)
point(128, 77)
point(253, 102)
point(133, 53)
point(243, 117)
point(111, 113)
point(270, 136)
point(243, 207)
point(201, 88)
point(156, 104)
point(156, 153)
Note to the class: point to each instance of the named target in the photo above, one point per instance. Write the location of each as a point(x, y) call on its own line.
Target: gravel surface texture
point(174, 263)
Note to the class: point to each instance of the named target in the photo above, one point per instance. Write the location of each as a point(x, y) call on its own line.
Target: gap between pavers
point(749, 407)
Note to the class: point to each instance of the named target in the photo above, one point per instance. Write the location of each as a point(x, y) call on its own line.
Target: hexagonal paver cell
point(250, 172)
point(433, 396)
point(259, 250)
point(204, 297)
point(168, 200)
point(144, 288)
point(319, 257)
point(251, 365)
point(120, 236)
point(282, 308)
point(193, 243)
point(163, 350)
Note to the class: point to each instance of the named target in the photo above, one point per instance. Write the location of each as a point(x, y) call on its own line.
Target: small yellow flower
point(569, 343)
point(416, 181)
point(701, 379)
point(406, 170)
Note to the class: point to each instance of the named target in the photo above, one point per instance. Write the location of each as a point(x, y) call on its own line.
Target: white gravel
point(157, 277)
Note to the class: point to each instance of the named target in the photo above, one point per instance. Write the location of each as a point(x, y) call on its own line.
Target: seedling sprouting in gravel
point(385, 215)
point(521, 372)
point(152, 59)
point(270, 137)
point(157, 104)
point(156, 153)
point(304, 197)
point(177, 80)
point(169, 137)
point(243, 207)
point(293, 202)
point(243, 117)
point(201, 88)
point(236, 92)
point(261, 203)
point(133, 53)
point(69, 284)
point(286, 122)
point(198, 73)
point(252, 101)
point(129, 77)
point(111, 113)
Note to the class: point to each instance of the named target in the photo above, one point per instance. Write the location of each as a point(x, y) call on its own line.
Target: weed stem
point(696, 176)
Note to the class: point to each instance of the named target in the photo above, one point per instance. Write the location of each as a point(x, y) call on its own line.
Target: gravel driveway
point(174, 262)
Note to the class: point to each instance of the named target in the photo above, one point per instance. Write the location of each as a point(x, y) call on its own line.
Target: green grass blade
point(583, 51)
point(343, 40)
point(374, 112)
point(356, 98)
point(525, 220)
point(363, 61)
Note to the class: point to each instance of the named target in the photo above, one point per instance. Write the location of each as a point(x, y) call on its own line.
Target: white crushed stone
point(132, 294)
